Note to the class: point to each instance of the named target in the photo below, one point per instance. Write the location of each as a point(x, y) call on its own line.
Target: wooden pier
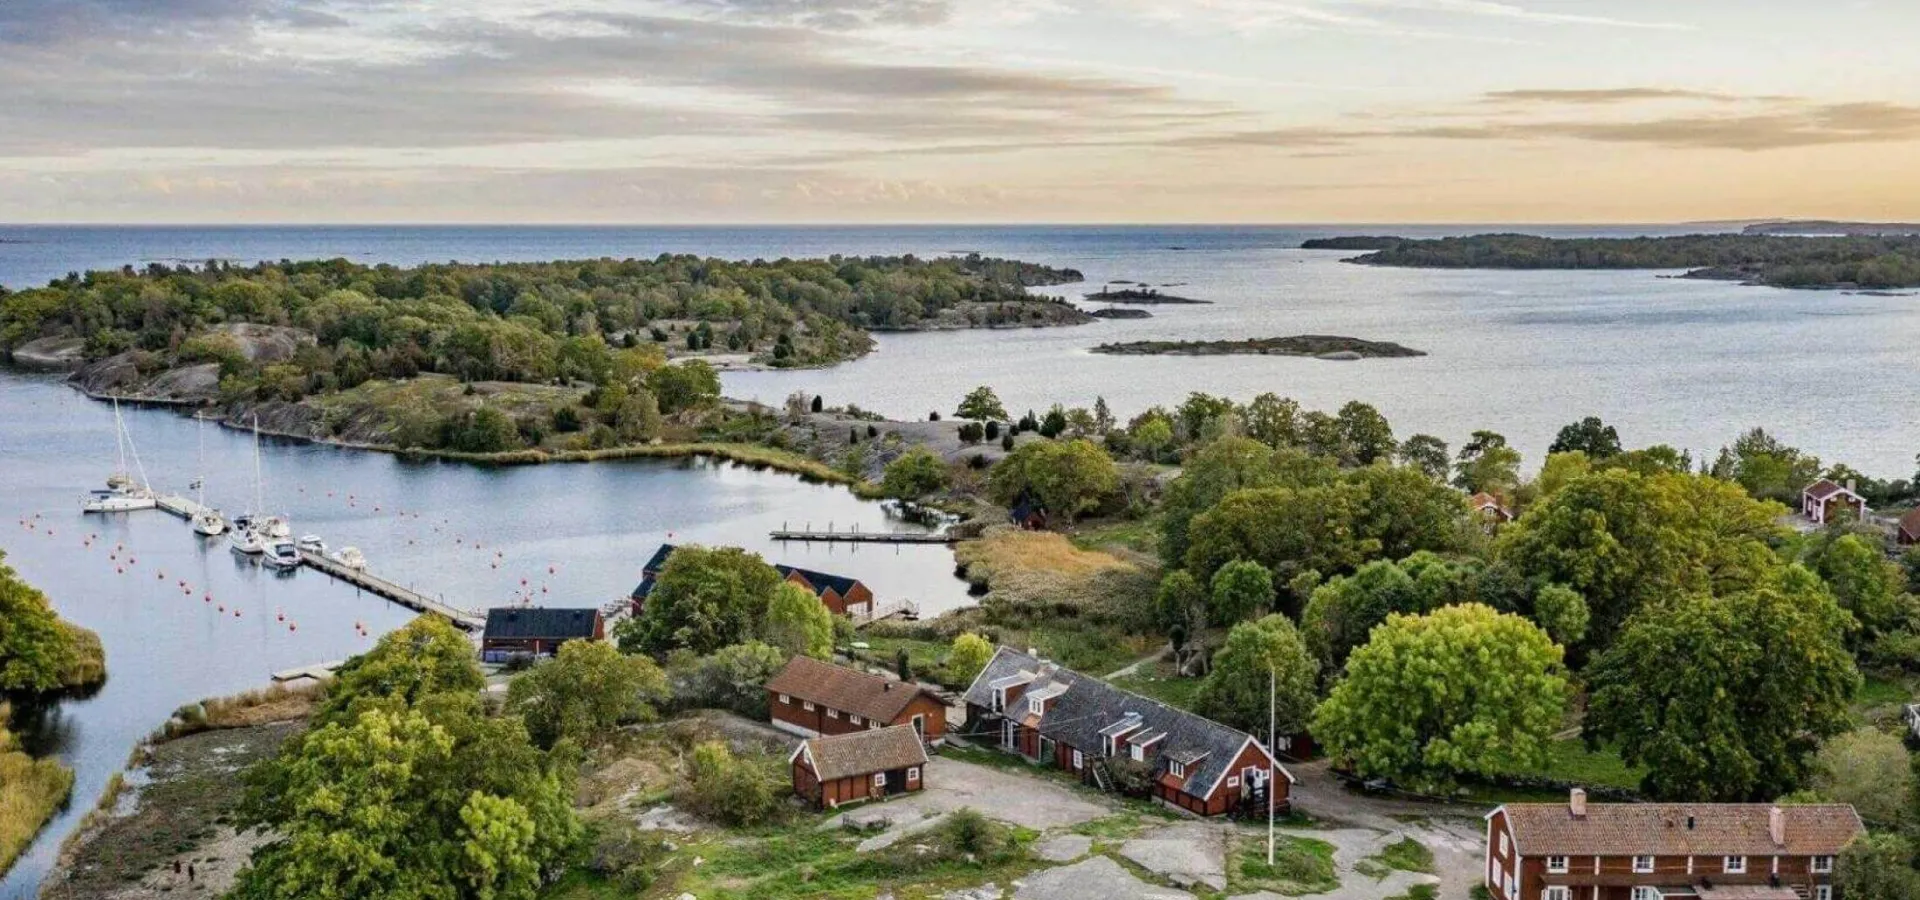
point(317, 671)
point(380, 587)
point(178, 505)
point(857, 536)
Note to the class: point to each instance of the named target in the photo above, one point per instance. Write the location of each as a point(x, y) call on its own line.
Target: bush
point(568, 419)
point(725, 789)
point(971, 433)
point(993, 431)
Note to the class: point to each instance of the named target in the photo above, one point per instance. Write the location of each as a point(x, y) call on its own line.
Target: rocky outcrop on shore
point(54, 354)
point(1320, 346)
point(1149, 297)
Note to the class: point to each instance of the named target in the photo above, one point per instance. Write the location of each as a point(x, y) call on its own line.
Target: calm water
point(563, 535)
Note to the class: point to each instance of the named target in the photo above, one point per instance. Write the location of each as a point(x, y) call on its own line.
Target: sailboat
point(207, 521)
point(251, 531)
point(122, 493)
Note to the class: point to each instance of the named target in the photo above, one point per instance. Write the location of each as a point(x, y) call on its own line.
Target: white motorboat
point(350, 557)
point(311, 543)
point(244, 539)
point(282, 554)
point(122, 493)
point(209, 523)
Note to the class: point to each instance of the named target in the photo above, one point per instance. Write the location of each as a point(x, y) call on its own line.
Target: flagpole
point(1270, 773)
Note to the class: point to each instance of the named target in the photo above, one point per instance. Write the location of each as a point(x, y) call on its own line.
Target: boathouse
point(535, 632)
point(843, 596)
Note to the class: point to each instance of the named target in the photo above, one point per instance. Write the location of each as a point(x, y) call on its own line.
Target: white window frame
point(1233, 781)
point(807, 705)
point(1733, 865)
point(832, 713)
point(1177, 770)
point(1821, 865)
point(786, 699)
point(999, 700)
point(1558, 865)
point(854, 719)
point(1645, 892)
point(872, 726)
point(879, 779)
point(1036, 705)
point(1823, 892)
point(913, 774)
point(1138, 752)
point(1557, 892)
point(1079, 760)
point(1651, 864)
point(1503, 843)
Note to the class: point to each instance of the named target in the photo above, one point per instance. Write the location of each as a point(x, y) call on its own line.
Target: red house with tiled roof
point(861, 765)
point(1907, 531)
point(1823, 500)
point(811, 698)
point(1492, 512)
point(1650, 851)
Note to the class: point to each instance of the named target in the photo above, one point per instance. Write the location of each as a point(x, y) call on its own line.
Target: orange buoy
point(236, 612)
point(208, 598)
point(222, 607)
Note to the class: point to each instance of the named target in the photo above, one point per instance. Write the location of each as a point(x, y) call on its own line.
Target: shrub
point(729, 790)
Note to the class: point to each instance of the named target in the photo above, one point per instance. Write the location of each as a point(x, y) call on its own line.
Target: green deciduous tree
point(1488, 464)
point(732, 678)
point(1562, 612)
point(798, 623)
point(1427, 454)
point(584, 692)
point(1180, 604)
point(1622, 541)
point(38, 651)
point(1341, 613)
point(1273, 420)
point(1864, 581)
point(1590, 436)
point(1869, 769)
point(1241, 590)
point(1878, 866)
point(969, 654)
point(686, 385)
point(1766, 468)
point(704, 599)
point(1220, 468)
point(1725, 698)
point(1236, 691)
point(427, 656)
point(1463, 690)
point(727, 789)
point(914, 474)
point(1068, 477)
point(981, 404)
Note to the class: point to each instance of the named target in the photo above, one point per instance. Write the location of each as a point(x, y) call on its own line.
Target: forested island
point(1871, 262)
point(1146, 296)
point(1829, 227)
point(1321, 346)
point(557, 357)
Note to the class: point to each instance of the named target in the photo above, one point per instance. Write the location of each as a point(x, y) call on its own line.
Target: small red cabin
point(865, 765)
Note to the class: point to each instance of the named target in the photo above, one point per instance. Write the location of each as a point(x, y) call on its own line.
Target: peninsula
point(1851, 262)
point(1319, 346)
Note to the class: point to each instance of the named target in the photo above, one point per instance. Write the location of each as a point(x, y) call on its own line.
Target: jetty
point(405, 596)
point(317, 671)
point(178, 505)
point(856, 536)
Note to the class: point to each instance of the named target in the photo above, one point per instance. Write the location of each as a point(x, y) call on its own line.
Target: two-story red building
point(811, 698)
point(1655, 851)
point(1055, 716)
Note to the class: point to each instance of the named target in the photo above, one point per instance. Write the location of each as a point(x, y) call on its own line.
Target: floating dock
point(865, 537)
point(380, 587)
point(317, 671)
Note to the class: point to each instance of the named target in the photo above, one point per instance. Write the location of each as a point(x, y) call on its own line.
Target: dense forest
point(529, 321)
point(1872, 262)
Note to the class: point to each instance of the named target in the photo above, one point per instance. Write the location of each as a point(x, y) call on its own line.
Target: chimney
point(1689, 821)
point(1777, 826)
point(1851, 486)
point(886, 686)
point(1577, 803)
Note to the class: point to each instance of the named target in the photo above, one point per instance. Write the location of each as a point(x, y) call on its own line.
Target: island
point(1318, 346)
point(1113, 313)
point(1144, 296)
point(1850, 262)
point(1354, 242)
point(1825, 227)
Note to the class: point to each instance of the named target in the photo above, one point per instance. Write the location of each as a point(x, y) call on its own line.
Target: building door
point(1007, 735)
point(920, 726)
point(896, 782)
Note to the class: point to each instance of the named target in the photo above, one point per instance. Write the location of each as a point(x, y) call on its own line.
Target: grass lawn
point(1572, 761)
point(1138, 535)
point(1300, 866)
point(1157, 680)
point(1407, 855)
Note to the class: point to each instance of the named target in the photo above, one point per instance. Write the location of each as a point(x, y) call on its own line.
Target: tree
point(1152, 438)
point(728, 790)
point(1273, 420)
point(1622, 541)
point(1236, 690)
point(980, 405)
point(798, 623)
point(1427, 454)
point(38, 651)
point(1220, 468)
point(1560, 470)
point(1487, 464)
point(914, 474)
point(438, 800)
point(1878, 866)
point(1366, 436)
point(1562, 612)
point(1464, 690)
point(1068, 477)
point(1199, 414)
point(584, 692)
point(1341, 613)
point(1103, 420)
point(1241, 590)
point(1864, 582)
point(1724, 698)
point(1766, 468)
point(969, 654)
point(1054, 423)
point(687, 385)
point(1286, 530)
point(1590, 436)
point(1179, 603)
point(732, 678)
point(427, 656)
point(704, 599)
point(1869, 769)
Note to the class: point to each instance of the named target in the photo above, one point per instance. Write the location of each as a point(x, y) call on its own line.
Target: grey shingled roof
point(858, 753)
point(1089, 705)
point(519, 623)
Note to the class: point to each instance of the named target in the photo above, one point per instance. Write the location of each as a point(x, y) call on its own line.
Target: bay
point(555, 535)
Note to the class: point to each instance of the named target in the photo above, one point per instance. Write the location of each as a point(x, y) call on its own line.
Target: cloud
point(1606, 96)
point(836, 15)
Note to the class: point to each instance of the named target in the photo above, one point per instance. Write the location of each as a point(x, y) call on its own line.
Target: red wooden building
point(1907, 532)
point(863, 765)
point(1649, 851)
point(1823, 500)
point(1056, 716)
point(532, 631)
point(843, 596)
point(810, 697)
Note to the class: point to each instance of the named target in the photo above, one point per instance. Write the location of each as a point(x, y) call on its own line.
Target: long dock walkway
point(178, 505)
point(865, 537)
point(407, 597)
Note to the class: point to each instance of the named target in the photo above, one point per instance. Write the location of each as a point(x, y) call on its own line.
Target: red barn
point(810, 698)
point(863, 765)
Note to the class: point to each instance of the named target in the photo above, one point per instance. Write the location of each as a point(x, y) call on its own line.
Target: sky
point(881, 111)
